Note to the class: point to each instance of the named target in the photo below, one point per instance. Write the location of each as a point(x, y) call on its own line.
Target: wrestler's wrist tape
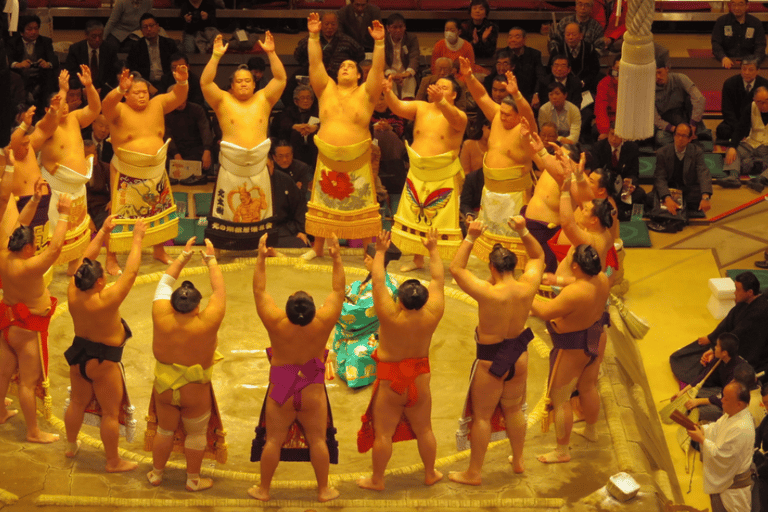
point(185, 256)
point(217, 55)
point(314, 36)
point(471, 239)
point(560, 281)
point(63, 217)
point(121, 90)
point(24, 126)
point(210, 259)
point(183, 82)
point(542, 153)
point(379, 43)
point(565, 193)
point(8, 169)
point(524, 233)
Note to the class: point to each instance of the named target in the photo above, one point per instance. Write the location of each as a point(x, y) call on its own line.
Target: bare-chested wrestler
point(139, 185)
point(402, 373)
point(297, 335)
point(575, 320)
point(507, 163)
point(100, 336)
point(502, 340)
point(184, 343)
point(65, 168)
point(344, 193)
point(432, 188)
point(243, 178)
point(26, 307)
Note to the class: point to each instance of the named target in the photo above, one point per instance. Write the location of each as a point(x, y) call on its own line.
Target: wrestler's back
point(244, 123)
point(406, 335)
point(20, 285)
point(506, 148)
point(433, 134)
point(65, 147)
point(514, 299)
point(184, 339)
point(294, 344)
point(544, 206)
point(344, 115)
point(140, 131)
point(95, 319)
point(592, 293)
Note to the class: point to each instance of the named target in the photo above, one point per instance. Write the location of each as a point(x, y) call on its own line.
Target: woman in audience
point(480, 31)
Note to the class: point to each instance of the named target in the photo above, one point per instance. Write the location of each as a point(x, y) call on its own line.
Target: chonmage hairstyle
point(186, 297)
point(87, 274)
point(502, 259)
point(586, 257)
point(413, 294)
point(21, 237)
point(300, 308)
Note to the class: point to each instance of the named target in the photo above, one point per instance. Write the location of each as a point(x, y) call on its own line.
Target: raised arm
point(374, 82)
point(489, 107)
point(124, 283)
point(382, 301)
point(45, 128)
point(274, 89)
point(534, 269)
point(404, 109)
point(6, 186)
point(26, 126)
point(331, 308)
point(27, 214)
point(575, 234)
point(466, 280)
point(86, 116)
point(111, 104)
point(174, 270)
point(318, 75)
point(265, 304)
point(165, 286)
point(523, 107)
point(43, 261)
point(455, 117)
point(216, 307)
point(170, 101)
point(436, 301)
point(211, 92)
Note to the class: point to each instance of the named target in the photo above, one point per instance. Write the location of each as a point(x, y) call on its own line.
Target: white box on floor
point(722, 299)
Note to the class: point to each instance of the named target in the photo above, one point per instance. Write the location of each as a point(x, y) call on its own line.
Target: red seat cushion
point(443, 5)
point(37, 3)
point(682, 6)
point(75, 3)
point(394, 5)
point(163, 4)
point(524, 5)
point(714, 101)
point(319, 4)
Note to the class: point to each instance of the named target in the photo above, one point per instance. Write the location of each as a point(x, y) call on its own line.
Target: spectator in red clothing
point(453, 47)
point(605, 100)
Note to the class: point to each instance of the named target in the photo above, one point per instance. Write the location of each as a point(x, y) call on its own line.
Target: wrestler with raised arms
point(184, 343)
point(100, 336)
point(575, 320)
point(501, 369)
point(402, 373)
point(297, 334)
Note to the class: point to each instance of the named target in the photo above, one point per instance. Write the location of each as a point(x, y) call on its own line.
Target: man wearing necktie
point(355, 18)
point(93, 52)
point(738, 92)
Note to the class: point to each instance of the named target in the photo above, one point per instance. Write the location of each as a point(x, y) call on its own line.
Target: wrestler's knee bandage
point(195, 428)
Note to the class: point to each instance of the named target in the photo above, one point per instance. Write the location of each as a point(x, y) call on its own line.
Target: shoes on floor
point(756, 184)
point(195, 180)
point(728, 183)
point(762, 264)
point(662, 228)
point(173, 181)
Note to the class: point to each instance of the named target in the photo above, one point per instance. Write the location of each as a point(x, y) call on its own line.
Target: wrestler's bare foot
point(409, 267)
point(587, 432)
point(310, 255)
point(327, 494)
point(554, 457)
point(160, 255)
point(112, 267)
point(517, 466)
point(258, 493)
point(121, 466)
point(9, 413)
point(8, 401)
point(436, 476)
point(72, 449)
point(463, 477)
point(72, 267)
point(197, 483)
point(42, 437)
point(155, 476)
point(366, 482)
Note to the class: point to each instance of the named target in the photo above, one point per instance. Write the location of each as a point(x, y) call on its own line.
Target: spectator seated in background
point(257, 67)
point(289, 209)
point(300, 173)
point(499, 89)
point(151, 55)
point(337, 47)
point(191, 139)
point(388, 130)
point(561, 72)
point(748, 153)
point(441, 68)
point(480, 31)
point(622, 158)
point(124, 21)
point(564, 114)
point(738, 92)
point(94, 53)
point(682, 184)
point(504, 62)
point(678, 100)
point(199, 25)
point(606, 99)
point(592, 30)
point(473, 150)
point(402, 55)
point(528, 68)
point(75, 98)
point(737, 36)
point(583, 59)
point(32, 57)
point(453, 47)
point(298, 124)
point(708, 400)
point(195, 92)
point(355, 18)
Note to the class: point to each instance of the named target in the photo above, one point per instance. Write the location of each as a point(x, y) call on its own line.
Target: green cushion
point(180, 198)
point(647, 166)
point(761, 275)
point(203, 203)
point(186, 231)
point(634, 234)
point(714, 161)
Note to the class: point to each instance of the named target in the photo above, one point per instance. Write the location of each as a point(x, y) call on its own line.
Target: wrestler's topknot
point(502, 259)
point(300, 308)
point(186, 297)
point(586, 257)
point(412, 294)
point(87, 274)
point(21, 237)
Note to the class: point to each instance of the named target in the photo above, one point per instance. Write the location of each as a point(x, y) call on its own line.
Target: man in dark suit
point(32, 56)
point(195, 94)
point(681, 166)
point(94, 53)
point(582, 57)
point(623, 158)
point(151, 55)
point(529, 69)
point(561, 72)
point(355, 18)
point(738, 92)
point(402, 66)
